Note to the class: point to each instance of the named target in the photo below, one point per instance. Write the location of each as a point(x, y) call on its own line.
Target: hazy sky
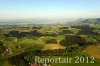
point(49, 9)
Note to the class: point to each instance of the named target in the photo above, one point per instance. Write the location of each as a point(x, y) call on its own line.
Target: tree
point(72, 39)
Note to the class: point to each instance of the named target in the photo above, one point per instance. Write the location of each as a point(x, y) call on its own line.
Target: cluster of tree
point(37, 27)
point(56, 52)
point(63, 28)
point(54, 41)
point(23, 34)
point(2, 47)
point(23, 61)
point(31, 33)
point(18, 60)
point(22, 27)
point(72, 39)
point(49, 34)
point(83, 27)
point(87, 32)
point(64, 31)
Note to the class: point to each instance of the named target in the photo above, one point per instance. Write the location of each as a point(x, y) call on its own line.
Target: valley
point(24, 42)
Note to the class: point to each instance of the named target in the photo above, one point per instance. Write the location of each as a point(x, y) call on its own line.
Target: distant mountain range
point(93, 20)
point(32, 21)
point(48, 21)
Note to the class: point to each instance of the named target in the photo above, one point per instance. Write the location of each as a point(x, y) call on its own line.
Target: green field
point(23, 43)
